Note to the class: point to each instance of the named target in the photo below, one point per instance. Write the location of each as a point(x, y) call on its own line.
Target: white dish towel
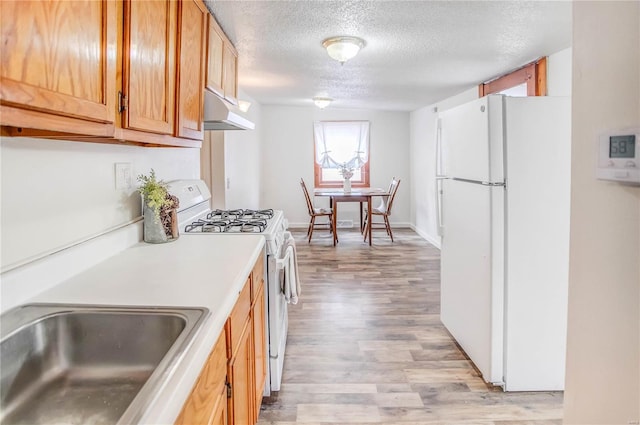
point(287, 264)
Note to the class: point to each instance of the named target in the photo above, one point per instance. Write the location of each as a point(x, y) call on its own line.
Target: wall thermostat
point(619, 156)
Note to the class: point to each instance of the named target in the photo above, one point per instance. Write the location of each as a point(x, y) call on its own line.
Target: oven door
point(278, 323)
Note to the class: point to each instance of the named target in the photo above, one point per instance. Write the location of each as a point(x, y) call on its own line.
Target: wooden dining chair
point(384, 211)
point(315, 213)
point(383, 201)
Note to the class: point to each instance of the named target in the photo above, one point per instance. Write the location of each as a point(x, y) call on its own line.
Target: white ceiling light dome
point(343, 48)
point(322, 102)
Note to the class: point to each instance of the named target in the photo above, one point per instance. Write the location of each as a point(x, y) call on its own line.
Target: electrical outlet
point(123, 175)
point(228, 183)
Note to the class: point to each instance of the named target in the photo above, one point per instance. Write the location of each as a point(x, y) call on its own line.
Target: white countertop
point(195, 271)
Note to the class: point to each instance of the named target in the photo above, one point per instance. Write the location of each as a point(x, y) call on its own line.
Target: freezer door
point(471, 139)
point(471, 296)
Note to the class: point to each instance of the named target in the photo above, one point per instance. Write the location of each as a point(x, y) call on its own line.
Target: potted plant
point(159, 210)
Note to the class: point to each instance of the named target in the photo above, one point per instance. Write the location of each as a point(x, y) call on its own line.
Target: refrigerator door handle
point(439, 178)
point(439, 148)
point(480, 182)
point(439, 193)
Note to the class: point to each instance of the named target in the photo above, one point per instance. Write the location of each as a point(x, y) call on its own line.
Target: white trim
point(298, 225)
point(43, 255)
point(433, 241)
point(401, 225)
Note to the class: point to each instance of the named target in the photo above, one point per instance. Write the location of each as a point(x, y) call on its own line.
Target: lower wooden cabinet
point(258, 320)
point(220, 414)
point(230, 386)
point(240, 372)
point(208, 399)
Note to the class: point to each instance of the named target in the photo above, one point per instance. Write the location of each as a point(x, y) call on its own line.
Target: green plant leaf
point(154, 193)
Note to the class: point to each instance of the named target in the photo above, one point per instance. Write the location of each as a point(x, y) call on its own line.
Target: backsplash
point(56, 193)
point(58, 196)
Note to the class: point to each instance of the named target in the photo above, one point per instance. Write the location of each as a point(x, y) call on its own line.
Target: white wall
point(422, 143)
point(56, 193)
point(603, 345)
point(287, 134)
point(243, 162)
point(559, 73)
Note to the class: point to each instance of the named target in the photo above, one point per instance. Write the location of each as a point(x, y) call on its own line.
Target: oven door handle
point(281, 263)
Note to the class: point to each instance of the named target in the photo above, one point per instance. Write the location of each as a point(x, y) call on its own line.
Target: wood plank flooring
point(366, 346)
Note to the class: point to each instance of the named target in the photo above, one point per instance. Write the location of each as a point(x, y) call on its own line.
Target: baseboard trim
point(402, 225)
point(433, 241)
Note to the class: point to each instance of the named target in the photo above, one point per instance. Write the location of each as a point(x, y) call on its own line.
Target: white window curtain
point(341, 143)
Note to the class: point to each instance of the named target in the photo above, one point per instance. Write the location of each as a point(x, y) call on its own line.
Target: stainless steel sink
point(77, 364)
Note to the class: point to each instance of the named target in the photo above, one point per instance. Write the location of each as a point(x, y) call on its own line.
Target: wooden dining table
point(360, 195)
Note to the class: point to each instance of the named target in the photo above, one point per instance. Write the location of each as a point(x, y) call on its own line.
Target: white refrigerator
point(503, 166)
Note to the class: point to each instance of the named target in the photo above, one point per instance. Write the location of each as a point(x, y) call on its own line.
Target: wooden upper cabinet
point(230, 73)
point(214, 57)
point(149, 65)
point(58, 57)
point(222, 64)
point(111, 70)
point(192, 24)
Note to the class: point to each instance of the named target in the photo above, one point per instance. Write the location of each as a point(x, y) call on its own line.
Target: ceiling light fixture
point(343, 48)
point(322, 102)
point(243, 105)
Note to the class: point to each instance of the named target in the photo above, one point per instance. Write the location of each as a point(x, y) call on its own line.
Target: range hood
point(221, 115)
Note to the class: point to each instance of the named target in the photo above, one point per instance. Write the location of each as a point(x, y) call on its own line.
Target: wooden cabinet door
point(149, 65)
point(58, 57)
point(230, 74)
point(209, 395)
point(259, 349)
point(192, 22)
point(215, 49)
point(241, 374)
point(220, 414)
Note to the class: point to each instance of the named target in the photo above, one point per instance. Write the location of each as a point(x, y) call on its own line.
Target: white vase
point(346, 185)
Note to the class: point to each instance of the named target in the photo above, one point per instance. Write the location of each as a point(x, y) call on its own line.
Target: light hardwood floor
point(366, 345)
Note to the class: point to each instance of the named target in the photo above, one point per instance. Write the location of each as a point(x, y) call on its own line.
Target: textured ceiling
point(417, 52)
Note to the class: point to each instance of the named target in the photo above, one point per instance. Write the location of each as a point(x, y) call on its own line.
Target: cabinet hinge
point(228, 389)
point(123, 102)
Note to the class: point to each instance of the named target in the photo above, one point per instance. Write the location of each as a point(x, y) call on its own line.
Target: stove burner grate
point(247, 226)
point(240, 213)
point(232, 221)
point(207, 226)
point(259, 213)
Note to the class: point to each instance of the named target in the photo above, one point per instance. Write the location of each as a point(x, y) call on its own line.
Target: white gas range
point(196, 218)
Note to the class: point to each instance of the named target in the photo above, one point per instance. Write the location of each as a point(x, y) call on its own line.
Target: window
point(341, 144)
point(530, 80)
